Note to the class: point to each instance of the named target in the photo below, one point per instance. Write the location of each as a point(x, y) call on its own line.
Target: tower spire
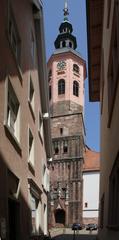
point(66, 11)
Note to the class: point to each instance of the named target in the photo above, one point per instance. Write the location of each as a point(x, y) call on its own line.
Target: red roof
point(91, 160)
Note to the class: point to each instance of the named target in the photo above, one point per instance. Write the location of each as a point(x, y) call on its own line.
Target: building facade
point(24, 130)
point(91, 178)
point(103, 18)
point(66, 75)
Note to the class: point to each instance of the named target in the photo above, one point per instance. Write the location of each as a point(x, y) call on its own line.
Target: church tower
point(66, 75)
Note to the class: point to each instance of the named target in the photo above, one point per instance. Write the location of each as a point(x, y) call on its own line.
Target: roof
point(94, 36)
point(91, 160)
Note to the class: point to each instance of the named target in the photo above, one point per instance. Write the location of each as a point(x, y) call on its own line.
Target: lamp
point(45, 115)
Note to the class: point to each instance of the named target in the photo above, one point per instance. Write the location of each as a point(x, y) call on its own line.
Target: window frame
point(75, 88)
point(13, 34)
point(65, 146)
point(31, 153)
point(31, 102)
point(56, 147)
point(50, 92)
point(9, 88)
point(40, 126)
point(61, 87)
point(76, 68)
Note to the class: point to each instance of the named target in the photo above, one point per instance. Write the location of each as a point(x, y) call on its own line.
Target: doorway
point(60, 216)
point(14, 219)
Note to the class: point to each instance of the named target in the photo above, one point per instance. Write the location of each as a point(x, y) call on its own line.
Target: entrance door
point(14, 220)
point(60, 216)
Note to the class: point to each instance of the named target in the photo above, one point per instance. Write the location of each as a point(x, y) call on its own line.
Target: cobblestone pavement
point(67, 234)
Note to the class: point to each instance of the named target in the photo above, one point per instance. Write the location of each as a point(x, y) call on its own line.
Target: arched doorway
point(60, 216)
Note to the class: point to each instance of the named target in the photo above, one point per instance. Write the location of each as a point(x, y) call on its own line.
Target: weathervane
point(66, 11)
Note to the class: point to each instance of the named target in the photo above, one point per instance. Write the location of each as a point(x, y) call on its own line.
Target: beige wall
point(109, 135)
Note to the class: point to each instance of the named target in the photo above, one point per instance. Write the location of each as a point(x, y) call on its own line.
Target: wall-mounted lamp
point(49, 159)
point(45, 115)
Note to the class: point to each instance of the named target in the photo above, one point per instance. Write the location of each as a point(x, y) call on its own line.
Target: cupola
point(65, 39)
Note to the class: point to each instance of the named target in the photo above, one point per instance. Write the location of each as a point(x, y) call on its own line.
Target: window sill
point(76, 74)
point(12, 138)
point(31, 110)
point(113, 227)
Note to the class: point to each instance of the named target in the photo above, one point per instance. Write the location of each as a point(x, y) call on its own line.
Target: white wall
point(90, 194)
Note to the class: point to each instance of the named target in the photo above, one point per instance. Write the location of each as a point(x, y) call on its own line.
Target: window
point(31, 148)
point(113, 218)
point(63, 44)
point(61, 131)
point(56, 147)
point(61, 86)
point(32, 47)
point(31, 94)
point(34, 205)
point(75, 88)
point(46, 183)
point(76, 68)
point(40, 128)
point(13, 112)
point(13, 36)
point(49, 75)
point(70, 44)
point(65, 146)
point(50, 92)
point(86, 204)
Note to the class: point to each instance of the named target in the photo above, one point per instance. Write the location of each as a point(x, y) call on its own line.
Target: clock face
point(61, 65)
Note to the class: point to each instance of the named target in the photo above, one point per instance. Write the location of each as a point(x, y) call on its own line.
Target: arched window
point(56, 148)
point(65, 146)
point(63, 44)
point(61, 86)
point(75, 88)
point(76, 68)
point(70, 44)
point(49, 75)
point(50, 93)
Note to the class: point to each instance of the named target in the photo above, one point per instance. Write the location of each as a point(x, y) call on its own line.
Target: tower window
point(49, 75)
point(75, 88)
point(50, 93)
point(61, 131)
point(61, 86)
point(76, 68)
point(86, 204)
point(70, 44)
point(63, 44)
point(56, 148)
point(65, 146)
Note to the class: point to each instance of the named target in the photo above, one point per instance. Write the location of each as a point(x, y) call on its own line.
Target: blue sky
point(53, 16)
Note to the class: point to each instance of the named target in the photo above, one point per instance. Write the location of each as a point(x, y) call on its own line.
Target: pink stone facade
point(69, 76)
